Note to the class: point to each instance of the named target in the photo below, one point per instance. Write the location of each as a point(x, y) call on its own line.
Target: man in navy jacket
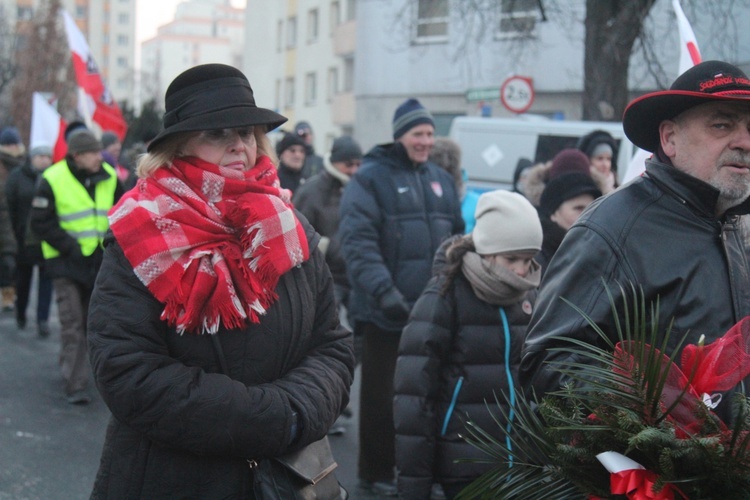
point(395, 213)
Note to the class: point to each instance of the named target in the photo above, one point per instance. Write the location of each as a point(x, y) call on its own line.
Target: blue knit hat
point(9, 136)
point(407, 116)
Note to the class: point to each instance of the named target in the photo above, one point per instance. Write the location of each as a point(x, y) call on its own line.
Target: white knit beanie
point(506, 222)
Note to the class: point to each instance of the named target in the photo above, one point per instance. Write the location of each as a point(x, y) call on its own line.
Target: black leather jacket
point(659, 233)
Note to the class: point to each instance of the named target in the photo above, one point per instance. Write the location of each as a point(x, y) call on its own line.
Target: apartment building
point(299, 57)
point(203, 31)
point(346, 65)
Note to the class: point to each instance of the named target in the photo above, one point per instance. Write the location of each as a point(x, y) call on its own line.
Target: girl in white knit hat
point(462, 345)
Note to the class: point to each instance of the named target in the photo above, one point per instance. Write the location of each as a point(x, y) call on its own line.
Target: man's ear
point(667, 134)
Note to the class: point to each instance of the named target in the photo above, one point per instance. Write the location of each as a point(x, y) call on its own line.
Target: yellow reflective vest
point(81, 217)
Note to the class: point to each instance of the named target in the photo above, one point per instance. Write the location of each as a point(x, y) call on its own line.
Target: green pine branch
point(554, 441)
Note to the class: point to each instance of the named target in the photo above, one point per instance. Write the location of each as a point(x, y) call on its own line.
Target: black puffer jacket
point(394, 216)
point(183, 429)
point(455, 355)
point(660, 233)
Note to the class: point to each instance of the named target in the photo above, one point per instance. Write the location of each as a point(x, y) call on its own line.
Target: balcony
point(344, 38)
point(342, 109)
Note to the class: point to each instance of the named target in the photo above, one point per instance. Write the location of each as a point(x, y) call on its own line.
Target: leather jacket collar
point(698, 195)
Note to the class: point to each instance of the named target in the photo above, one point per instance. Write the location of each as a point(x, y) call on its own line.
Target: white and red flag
point(689, 57)
point(689, 53)
point(47, 127)
point(95, 102)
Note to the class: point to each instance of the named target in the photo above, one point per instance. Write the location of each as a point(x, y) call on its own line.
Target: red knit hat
point(569, 161)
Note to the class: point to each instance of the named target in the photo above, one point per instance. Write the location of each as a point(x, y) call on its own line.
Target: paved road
point(50, 449)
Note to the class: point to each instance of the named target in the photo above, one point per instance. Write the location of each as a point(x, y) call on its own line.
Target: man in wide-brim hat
point(677, 231)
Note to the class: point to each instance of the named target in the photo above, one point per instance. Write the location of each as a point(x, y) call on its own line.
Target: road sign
point(517, 93)
point(485, 94)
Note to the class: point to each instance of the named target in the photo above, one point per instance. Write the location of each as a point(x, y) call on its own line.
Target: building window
point(277, 95)
point(517, 18)
point(123, 18)
point(122, 40)
point(311, 89)
point(332, 83)
point(312, 25)
point(81, 11)
point(289, 92)
point(335, 15)
point(291, 32)
point(351, 10)
point(348, 74)
point(432, 20)
point(280, 36)
point(122, 62)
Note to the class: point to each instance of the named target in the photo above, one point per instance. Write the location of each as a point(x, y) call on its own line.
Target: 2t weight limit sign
point(517, 94)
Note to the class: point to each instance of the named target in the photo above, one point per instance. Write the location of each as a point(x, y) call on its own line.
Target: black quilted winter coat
point(456, 354)
point(181, 428)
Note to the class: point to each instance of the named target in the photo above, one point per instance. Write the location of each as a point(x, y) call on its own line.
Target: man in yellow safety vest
point(69, 214)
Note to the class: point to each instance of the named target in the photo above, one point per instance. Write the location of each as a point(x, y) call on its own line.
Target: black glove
point(8, 268)
point(393, 305)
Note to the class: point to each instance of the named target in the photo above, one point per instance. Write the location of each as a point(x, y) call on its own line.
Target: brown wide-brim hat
point(212, 96)
point(704, 82)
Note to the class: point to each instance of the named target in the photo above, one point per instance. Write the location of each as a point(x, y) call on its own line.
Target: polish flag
point(689, 53)
point(47, 127)
point(95, 103)
point(689, 57)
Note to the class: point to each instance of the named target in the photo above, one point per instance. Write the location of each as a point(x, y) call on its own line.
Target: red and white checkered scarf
point(210, 242)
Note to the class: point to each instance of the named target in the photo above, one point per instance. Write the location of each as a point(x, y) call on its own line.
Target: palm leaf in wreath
point(550, 449)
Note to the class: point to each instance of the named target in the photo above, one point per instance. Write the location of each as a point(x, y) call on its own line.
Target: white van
point(492, 147)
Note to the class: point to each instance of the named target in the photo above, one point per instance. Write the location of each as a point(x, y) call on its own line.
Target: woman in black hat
point(214, 336)
point(563, 200)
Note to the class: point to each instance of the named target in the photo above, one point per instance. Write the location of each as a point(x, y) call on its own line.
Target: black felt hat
point(212, 96)
point(704, 82)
